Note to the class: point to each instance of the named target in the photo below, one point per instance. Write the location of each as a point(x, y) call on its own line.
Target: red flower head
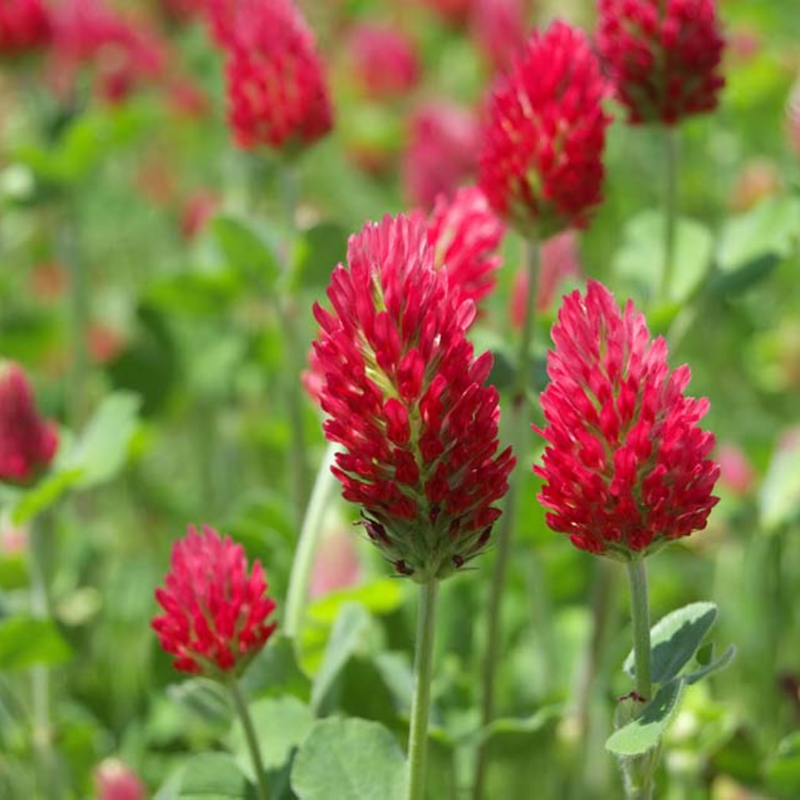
point(500, 27)
point(24, 27)
point(664, 56)
point(123, 55)
point(465, 235)
point(384, 60)
point(114, 780)
point(277, 93)
point(406, 401)
point(27, 442)
point(541, 165)
point(216, 613)
point(441, 152)
point(626, 467)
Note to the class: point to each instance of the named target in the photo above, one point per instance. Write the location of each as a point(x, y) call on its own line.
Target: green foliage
point(25, 642)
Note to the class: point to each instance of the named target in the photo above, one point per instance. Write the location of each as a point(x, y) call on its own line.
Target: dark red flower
point(500, 28)
point(90, 34)
point(384, 60)
point(466, 235)
point(442, 152)
point(626, 466)
point(407, 403)
point(24, 27)
point(216, 613)
point(541, 164)
point(664, 56)
point(277, 93)
point(28, 443)
point(455, 12)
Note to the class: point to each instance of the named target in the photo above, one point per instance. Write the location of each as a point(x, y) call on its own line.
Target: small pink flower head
point(736, 471)
point(626, 466)
point(384, 60)
point(406, 401)
point(25, 27)
point(664, 56)
point(541, 165)
point(336, 565)
point(559, 261)
point(215, 613)
point(500, 28)
point(277, 93)
point(114, 780)
point(466, 235)
point(28, 443)
point(793, 118)
point(442, 152)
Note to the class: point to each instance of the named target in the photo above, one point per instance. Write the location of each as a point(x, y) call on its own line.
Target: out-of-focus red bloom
point(736, 472)
point(626, 467)
point(13, 538)
point(442, 152)
point(455, 12)
point(277, 92)
point(500, 28)
point(559, 261)
point(48, 281)
point(183, 10)
point(216, 613)
point(25, 27)
point(406, 401)
point(793, 118)
point(103, 342)
point(664, 56)
point(744, 43)
point(28, 443)
point(114, 780)
point(384, 60)
point(336, 565)
point(90, 33)
point(758, 180)
point(187, 98)
point(196, 213)
point(541, 164)
point(466, 235)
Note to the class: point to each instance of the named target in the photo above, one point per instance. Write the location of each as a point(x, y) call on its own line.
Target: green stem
point(40, 676)
point(307, 544)
point(252, 740)
point(519, 430)
point(670, 208)
point(423, 669)
point(639, 771)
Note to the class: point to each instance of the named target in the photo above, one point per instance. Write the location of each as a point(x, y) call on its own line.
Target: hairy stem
point(423, 669)
point(519, 430)
point(252, 740)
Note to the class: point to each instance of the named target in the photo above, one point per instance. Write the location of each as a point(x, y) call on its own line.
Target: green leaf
point(205, 699)
point(320, 250)
point(247, 251)
point(779, 499)
point(349, 635)
point(281, 724)
point(359, 759)
point(25, 641)
point(101, 451)
point(645, 732)
point(212, 776)
point(770, 229)
point(783, 771)
point(640, 260)
point(275, 671)
point(675, 639)
point(713, 666)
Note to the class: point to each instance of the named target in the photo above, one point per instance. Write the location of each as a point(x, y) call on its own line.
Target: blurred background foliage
point(142, 255)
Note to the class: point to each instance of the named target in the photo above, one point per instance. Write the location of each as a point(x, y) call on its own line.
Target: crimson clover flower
point(626, 467)
point(216, 613)
point(406, 400)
